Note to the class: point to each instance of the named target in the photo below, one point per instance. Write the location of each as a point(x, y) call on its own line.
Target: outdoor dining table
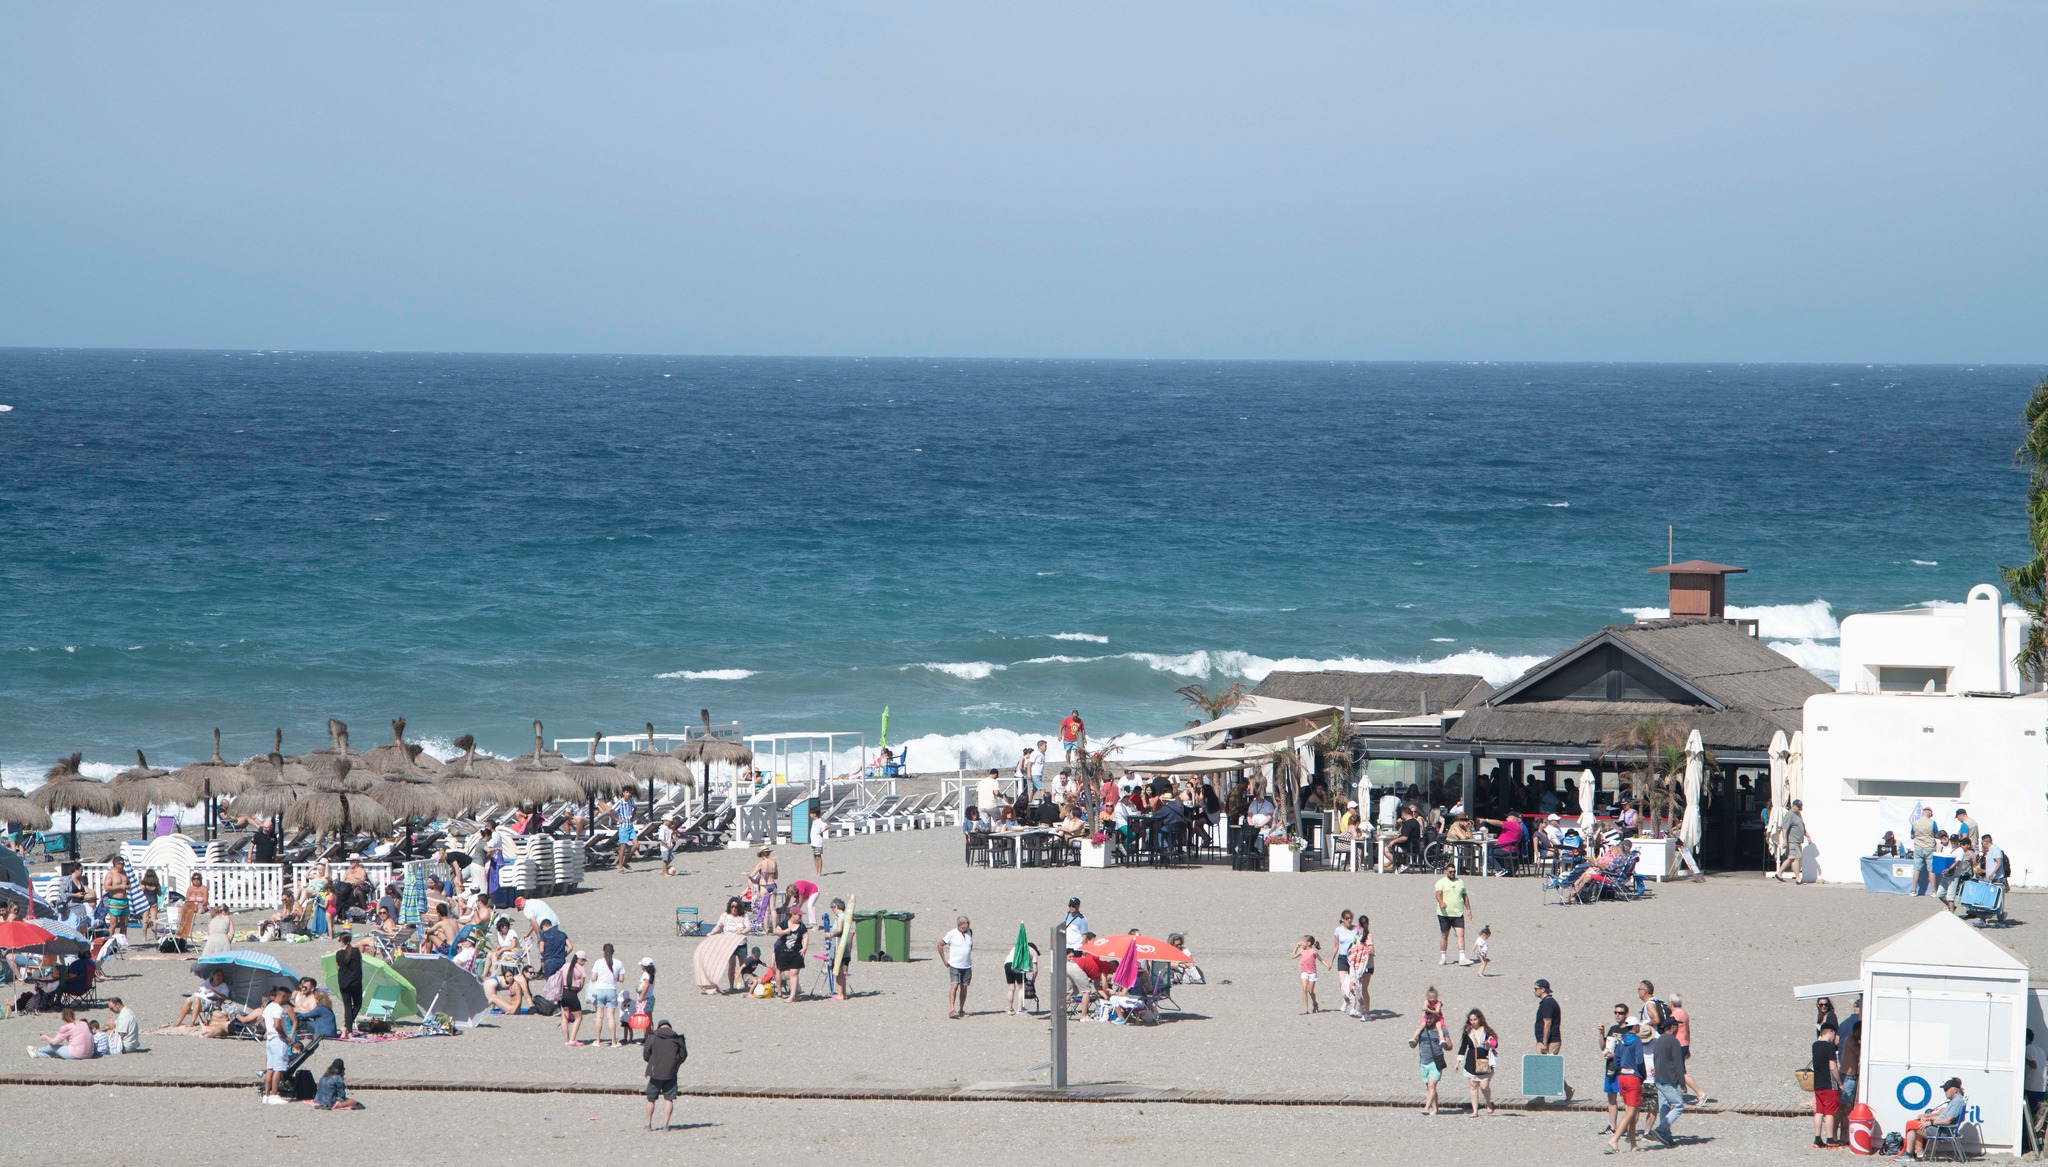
point(1013, 842)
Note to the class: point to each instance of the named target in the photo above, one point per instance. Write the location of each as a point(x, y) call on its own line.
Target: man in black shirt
point(1827, 1076)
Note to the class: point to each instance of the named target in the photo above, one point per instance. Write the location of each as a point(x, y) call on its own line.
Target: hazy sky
point(1666, 181)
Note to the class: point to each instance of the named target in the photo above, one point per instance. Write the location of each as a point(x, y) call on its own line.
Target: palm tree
point(2028, 585)
point(1651, 751)
point(1212, 703)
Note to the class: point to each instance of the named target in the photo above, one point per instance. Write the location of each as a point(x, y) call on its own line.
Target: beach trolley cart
point(1982, 900)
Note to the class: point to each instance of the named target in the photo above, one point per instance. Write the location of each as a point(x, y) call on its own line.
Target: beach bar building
point(1523, 747)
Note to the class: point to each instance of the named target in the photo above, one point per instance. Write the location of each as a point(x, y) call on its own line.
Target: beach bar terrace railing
point(240, 887)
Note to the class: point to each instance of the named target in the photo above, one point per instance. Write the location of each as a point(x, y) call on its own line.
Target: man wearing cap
point(1794, 851)
point(1949, 1113)
point(1452, 902)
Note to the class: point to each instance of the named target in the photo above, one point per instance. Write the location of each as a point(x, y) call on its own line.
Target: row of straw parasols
point(336, 790)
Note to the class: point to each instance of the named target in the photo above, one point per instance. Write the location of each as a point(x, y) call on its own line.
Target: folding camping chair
point(689, 923)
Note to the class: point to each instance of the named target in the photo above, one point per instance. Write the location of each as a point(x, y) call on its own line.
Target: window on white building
point(1902, 679)
point(1906, 788)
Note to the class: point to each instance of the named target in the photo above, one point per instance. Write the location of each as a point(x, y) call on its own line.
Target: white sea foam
point(1497, 669)
point(1062, 660)
point(973, 670)
point(1822, 658)
point(1443, 640)
point(1814, 620)
point(6, 409)
point(1926, 563)
point(1090, 637)
point(993, 746)
point(1557, 504)
point(706, 675)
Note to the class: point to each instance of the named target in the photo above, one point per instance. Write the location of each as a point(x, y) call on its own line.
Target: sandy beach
point(1734, 947)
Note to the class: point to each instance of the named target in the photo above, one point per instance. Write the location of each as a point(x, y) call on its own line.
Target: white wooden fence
point(240, 887)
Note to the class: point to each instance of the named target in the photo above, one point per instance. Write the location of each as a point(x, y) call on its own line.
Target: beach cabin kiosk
point(1942, 999)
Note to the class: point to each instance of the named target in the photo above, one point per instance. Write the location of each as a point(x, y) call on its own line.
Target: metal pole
point(1056, 952)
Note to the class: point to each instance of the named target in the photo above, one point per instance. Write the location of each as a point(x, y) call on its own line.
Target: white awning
point(1828, 989)
point(1255, 712)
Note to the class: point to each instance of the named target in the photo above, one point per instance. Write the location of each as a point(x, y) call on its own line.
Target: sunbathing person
point(207, 999)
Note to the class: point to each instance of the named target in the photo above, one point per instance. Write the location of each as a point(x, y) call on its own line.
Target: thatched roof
point(17, 809)
point(652, 765)
point(1401, 692)
point(64, 788)
point(480, 765)
point(596, 776)
point(269, 796)
point(539, 775)
point(214, 776)
point(708, 750)
point(399, 754)
point(1710, 674)
point(143, 787)
point(409, 794)
point(328, 812)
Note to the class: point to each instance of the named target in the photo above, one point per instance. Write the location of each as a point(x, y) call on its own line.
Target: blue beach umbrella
point(251, 975)
point(14, 893)
point(67, 940)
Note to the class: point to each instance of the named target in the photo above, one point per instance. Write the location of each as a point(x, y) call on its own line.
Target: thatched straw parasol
point(332, 805)
point(17, 809)
point(64, 788)
point(408, 794)
point(597, 778)
point(143, 787)
point(327, 761)
point(539, 775)
point(479, 764)
point(651, 765)
point(268, 797)
point(464, 789)
point(399, 754)
point(213, 779)
point(707, 750)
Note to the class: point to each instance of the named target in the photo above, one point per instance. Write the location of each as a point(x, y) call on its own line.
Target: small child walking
point(1483, 948)
point(1309, 953)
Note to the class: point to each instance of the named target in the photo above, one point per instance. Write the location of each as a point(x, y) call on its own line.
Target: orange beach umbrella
point(1117, 948)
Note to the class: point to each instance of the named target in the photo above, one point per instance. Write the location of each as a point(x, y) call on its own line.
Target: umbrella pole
point(74, 834)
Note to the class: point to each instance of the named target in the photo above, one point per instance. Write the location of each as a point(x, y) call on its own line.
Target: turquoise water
point(247, 540)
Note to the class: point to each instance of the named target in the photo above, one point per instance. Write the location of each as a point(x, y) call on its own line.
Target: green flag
point(885, 727)
point(1020, 956)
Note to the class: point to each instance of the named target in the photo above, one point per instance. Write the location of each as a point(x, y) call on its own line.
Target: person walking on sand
point(1794, 851)
point(1478, 1052)
point(1628, 1082)
point(664, 1052)
point(1482, 948)
point(1668, 1064)
point(792, 949)
point(1072, 730)
point(1452, 903)
point(1360, 1001)
point(1683, 1016)
point(1827, 1077)
point(956, 949)
point(1431, 1036)
point(1307, 955)
point(1345, 936)
point(1550, 1026)
point(567, 985)
point(1609, 1036)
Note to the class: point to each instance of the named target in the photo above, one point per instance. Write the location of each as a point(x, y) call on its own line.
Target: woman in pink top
point(1684, 1035)
point(803, 894)
point(72, 1041)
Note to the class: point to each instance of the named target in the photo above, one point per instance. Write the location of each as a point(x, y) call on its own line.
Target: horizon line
point(229, 350)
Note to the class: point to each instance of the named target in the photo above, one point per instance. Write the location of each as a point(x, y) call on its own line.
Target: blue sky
point(1626, 181)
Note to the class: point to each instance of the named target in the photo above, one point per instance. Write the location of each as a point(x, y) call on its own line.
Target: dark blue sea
point(259, 539)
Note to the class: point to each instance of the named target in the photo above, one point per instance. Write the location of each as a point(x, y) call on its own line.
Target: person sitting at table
point(205, 1000)
point(973, 823)
point(1172, 825)
point(1260, 811)
point(1459, 830)
point(1405, 846)
point(1352, 824)
point(1507, 845)
point(1887, 846)
point(1071, 826)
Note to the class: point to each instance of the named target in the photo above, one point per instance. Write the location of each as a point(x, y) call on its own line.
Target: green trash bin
point(867, 935)
point(896, 934)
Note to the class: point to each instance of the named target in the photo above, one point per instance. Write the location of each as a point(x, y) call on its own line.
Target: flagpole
point(1058, 985)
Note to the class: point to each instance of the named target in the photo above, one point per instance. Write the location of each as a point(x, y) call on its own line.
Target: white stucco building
point(1930, 711)
point(1948, 649)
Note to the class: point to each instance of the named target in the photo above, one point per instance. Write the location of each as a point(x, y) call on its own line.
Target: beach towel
point(714, 954)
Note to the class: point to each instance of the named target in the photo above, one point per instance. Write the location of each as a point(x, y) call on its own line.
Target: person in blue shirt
point(1950, 1112)
point(319, 1020)
point(332, 1091)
